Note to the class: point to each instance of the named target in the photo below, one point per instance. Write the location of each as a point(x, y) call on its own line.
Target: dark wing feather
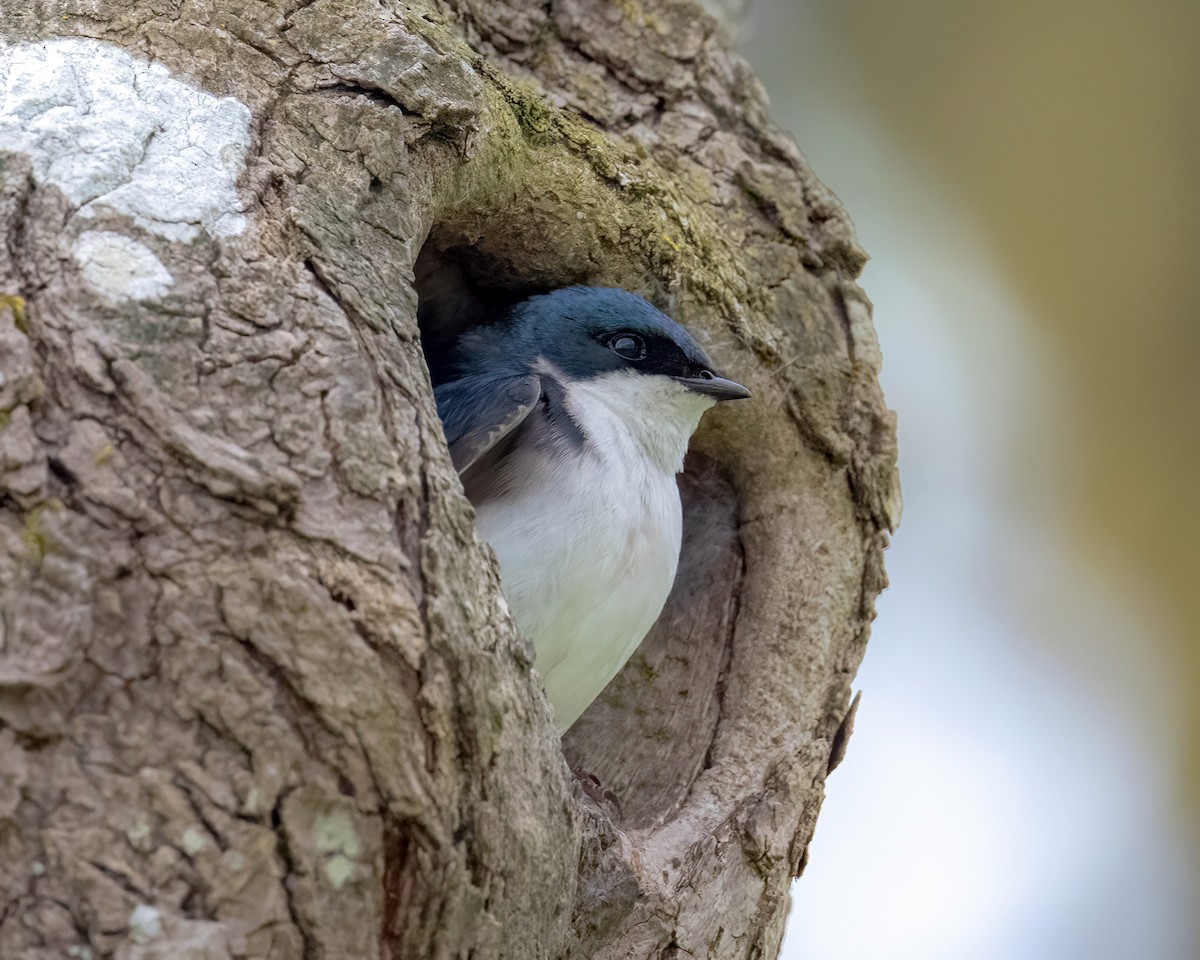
point(478, 412)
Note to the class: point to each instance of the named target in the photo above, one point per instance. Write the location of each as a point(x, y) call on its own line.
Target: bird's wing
point(479, 412)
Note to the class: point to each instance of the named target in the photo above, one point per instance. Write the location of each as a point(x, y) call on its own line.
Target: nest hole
point(648, 735)
point(461, 285)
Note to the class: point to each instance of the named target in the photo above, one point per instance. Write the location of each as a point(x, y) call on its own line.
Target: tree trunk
point(260, 695)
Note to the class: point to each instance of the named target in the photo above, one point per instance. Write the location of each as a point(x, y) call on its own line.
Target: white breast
point(588, 544)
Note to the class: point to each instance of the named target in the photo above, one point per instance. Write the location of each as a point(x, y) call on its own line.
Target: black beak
point(716, 387)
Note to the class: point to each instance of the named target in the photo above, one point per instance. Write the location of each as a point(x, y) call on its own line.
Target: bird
point(567, 419)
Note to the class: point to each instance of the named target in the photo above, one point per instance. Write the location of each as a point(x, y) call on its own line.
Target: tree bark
point(260, 695)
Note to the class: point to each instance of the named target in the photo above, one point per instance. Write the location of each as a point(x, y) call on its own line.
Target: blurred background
point(1023, 779)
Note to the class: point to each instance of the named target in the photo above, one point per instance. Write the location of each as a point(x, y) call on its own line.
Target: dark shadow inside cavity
point(460, 287)
point(648, 736)
point(463, 283)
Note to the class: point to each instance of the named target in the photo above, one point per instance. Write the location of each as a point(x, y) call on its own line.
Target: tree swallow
point(567, 421)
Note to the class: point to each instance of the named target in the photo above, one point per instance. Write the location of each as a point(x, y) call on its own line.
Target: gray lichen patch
point(117, 133)
point(119, 267)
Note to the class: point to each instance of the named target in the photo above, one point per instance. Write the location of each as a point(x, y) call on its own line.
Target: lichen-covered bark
point(259, 693)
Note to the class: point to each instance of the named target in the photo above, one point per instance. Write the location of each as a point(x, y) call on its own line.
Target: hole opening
point(647, 737)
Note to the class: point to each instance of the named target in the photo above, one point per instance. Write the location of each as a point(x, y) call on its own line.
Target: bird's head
point(586, 333)
point(611, 348)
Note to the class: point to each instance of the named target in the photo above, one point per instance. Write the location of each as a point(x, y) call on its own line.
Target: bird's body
point(570, 462)
point(588, 541)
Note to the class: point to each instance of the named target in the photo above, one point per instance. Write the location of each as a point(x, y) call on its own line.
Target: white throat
point(653, 412)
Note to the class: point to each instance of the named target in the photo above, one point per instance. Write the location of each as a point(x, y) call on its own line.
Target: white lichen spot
point(338, 870)
point(138, 832)
point(334, 833)
point(37, 867)
point(140, 836)
point(336, 839)
point(193, 841)
point(115, 132)
point(80, 951)
point(145, 923)
point(119, 268)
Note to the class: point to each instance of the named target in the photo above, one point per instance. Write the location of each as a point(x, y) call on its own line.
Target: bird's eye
point(628, 345)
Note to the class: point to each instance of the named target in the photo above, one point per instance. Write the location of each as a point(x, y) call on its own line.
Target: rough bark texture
point(259, 693)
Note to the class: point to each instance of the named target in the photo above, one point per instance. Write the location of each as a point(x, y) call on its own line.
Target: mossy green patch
point(34, 535)
point(16, 306)
point(553, 185)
